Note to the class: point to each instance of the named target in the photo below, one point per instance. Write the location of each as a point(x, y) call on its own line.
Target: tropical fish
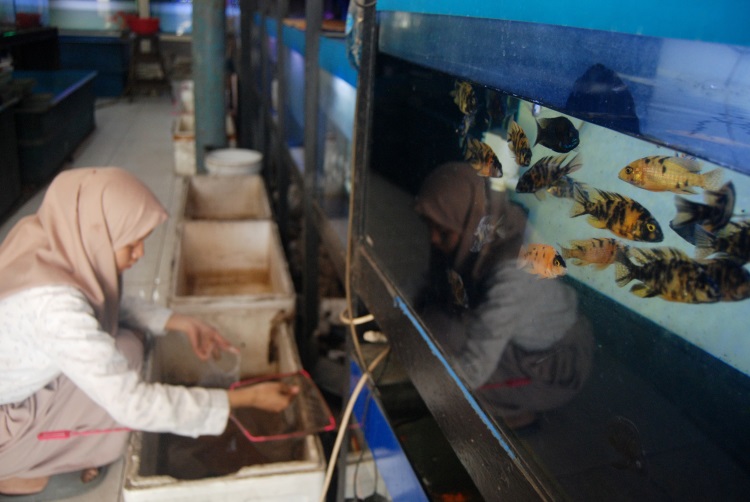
point(673, 174)
point(712, 216)
point(732, 279)
point(496, 107)
point(565, 187)
point(621, 215)
point(483, 159)
point(597, 252)
point(546, 172)
point(624, 437)
point(467, 122)
point(734, 240)
point(486, 232)
point(542, 260)
point(558, 134)
point(519, 144)
point(464, 96)
point(666, 272)
point(460, 297)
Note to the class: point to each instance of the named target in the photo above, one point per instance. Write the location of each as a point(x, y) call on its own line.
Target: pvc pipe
point(208, 54)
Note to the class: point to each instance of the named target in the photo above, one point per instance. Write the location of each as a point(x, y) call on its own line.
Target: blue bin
point(109, 56)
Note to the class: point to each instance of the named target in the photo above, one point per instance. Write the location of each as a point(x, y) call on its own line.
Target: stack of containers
point(229, 269)
point(183, 129)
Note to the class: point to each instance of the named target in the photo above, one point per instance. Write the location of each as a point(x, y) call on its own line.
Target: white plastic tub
point(298, 478)
point(230, 263)
point(226, 198)
point(234, 161)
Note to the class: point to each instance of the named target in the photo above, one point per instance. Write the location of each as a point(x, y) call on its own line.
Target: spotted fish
point(546, 172)
point(674, 174)
point(621, 215)
point(665, 272)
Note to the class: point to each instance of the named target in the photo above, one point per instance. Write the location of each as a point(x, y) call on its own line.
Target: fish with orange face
point(542, 260)
point(674, 174)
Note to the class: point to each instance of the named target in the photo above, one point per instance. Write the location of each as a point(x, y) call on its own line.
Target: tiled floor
point(135, 136)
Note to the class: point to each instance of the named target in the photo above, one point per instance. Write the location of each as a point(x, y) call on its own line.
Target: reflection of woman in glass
point(518, 340)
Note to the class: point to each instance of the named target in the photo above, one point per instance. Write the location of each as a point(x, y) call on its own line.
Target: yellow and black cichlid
point(519, 144)
point(546, 172)
point(665, 272)
point(622, 215)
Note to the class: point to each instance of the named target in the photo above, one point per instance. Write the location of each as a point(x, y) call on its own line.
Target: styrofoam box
point(226, 198)
point(231, 263)
point(172, 361)
point(183, 140)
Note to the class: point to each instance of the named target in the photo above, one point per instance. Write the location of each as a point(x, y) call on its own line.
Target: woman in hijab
point(66, 361)
point(518, 341)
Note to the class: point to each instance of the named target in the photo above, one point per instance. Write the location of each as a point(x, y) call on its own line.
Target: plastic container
point(226, 198)
point(234, 161)
point(183, 135)
point(53, 121)
point(143, 25)
point(230, 263)
point(287, 470)
point(28, 19)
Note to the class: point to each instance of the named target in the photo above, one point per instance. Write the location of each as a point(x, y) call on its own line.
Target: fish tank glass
point(572, 231)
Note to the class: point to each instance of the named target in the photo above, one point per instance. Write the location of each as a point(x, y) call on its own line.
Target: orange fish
point(675, 174)
point(597, 252)
point(542, 260)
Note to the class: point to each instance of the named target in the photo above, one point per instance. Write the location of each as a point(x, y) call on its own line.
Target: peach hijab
point(86, 215)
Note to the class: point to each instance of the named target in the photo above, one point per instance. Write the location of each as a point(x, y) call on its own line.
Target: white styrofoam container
point(230, 263)
point(226, 198)
point(173, 361)
point(183, 138)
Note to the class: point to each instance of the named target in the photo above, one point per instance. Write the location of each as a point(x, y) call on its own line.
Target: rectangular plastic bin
point(293, 470)
point(230, 263)
point(226, 198)
point(53, 121)
point(107, 53)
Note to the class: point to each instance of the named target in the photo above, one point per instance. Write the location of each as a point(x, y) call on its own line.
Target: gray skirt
point(60, 405)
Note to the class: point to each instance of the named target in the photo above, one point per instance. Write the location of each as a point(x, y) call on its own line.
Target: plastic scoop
point(221, 372)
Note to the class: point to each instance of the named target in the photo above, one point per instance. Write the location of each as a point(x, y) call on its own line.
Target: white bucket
point(234, 161)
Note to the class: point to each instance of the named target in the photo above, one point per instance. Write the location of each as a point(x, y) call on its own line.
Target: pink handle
point(66, 434)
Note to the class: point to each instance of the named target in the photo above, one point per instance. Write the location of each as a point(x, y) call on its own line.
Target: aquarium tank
point(571, 229)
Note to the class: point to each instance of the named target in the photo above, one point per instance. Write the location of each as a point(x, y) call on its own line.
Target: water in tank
point(578, 257)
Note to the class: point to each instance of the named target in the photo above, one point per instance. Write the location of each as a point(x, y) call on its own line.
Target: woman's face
point(128, 255)
point(443, 239)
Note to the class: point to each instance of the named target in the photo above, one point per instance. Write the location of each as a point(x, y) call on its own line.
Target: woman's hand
point(268, 396)
point(204, 338)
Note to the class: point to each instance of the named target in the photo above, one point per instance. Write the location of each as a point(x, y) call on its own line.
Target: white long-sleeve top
point(51, 330)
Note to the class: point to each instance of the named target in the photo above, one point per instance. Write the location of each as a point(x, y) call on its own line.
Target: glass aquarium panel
point(337, 101)
point(587, 285)
point(687, 94)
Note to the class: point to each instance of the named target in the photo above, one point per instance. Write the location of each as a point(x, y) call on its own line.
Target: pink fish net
point(307, 414)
